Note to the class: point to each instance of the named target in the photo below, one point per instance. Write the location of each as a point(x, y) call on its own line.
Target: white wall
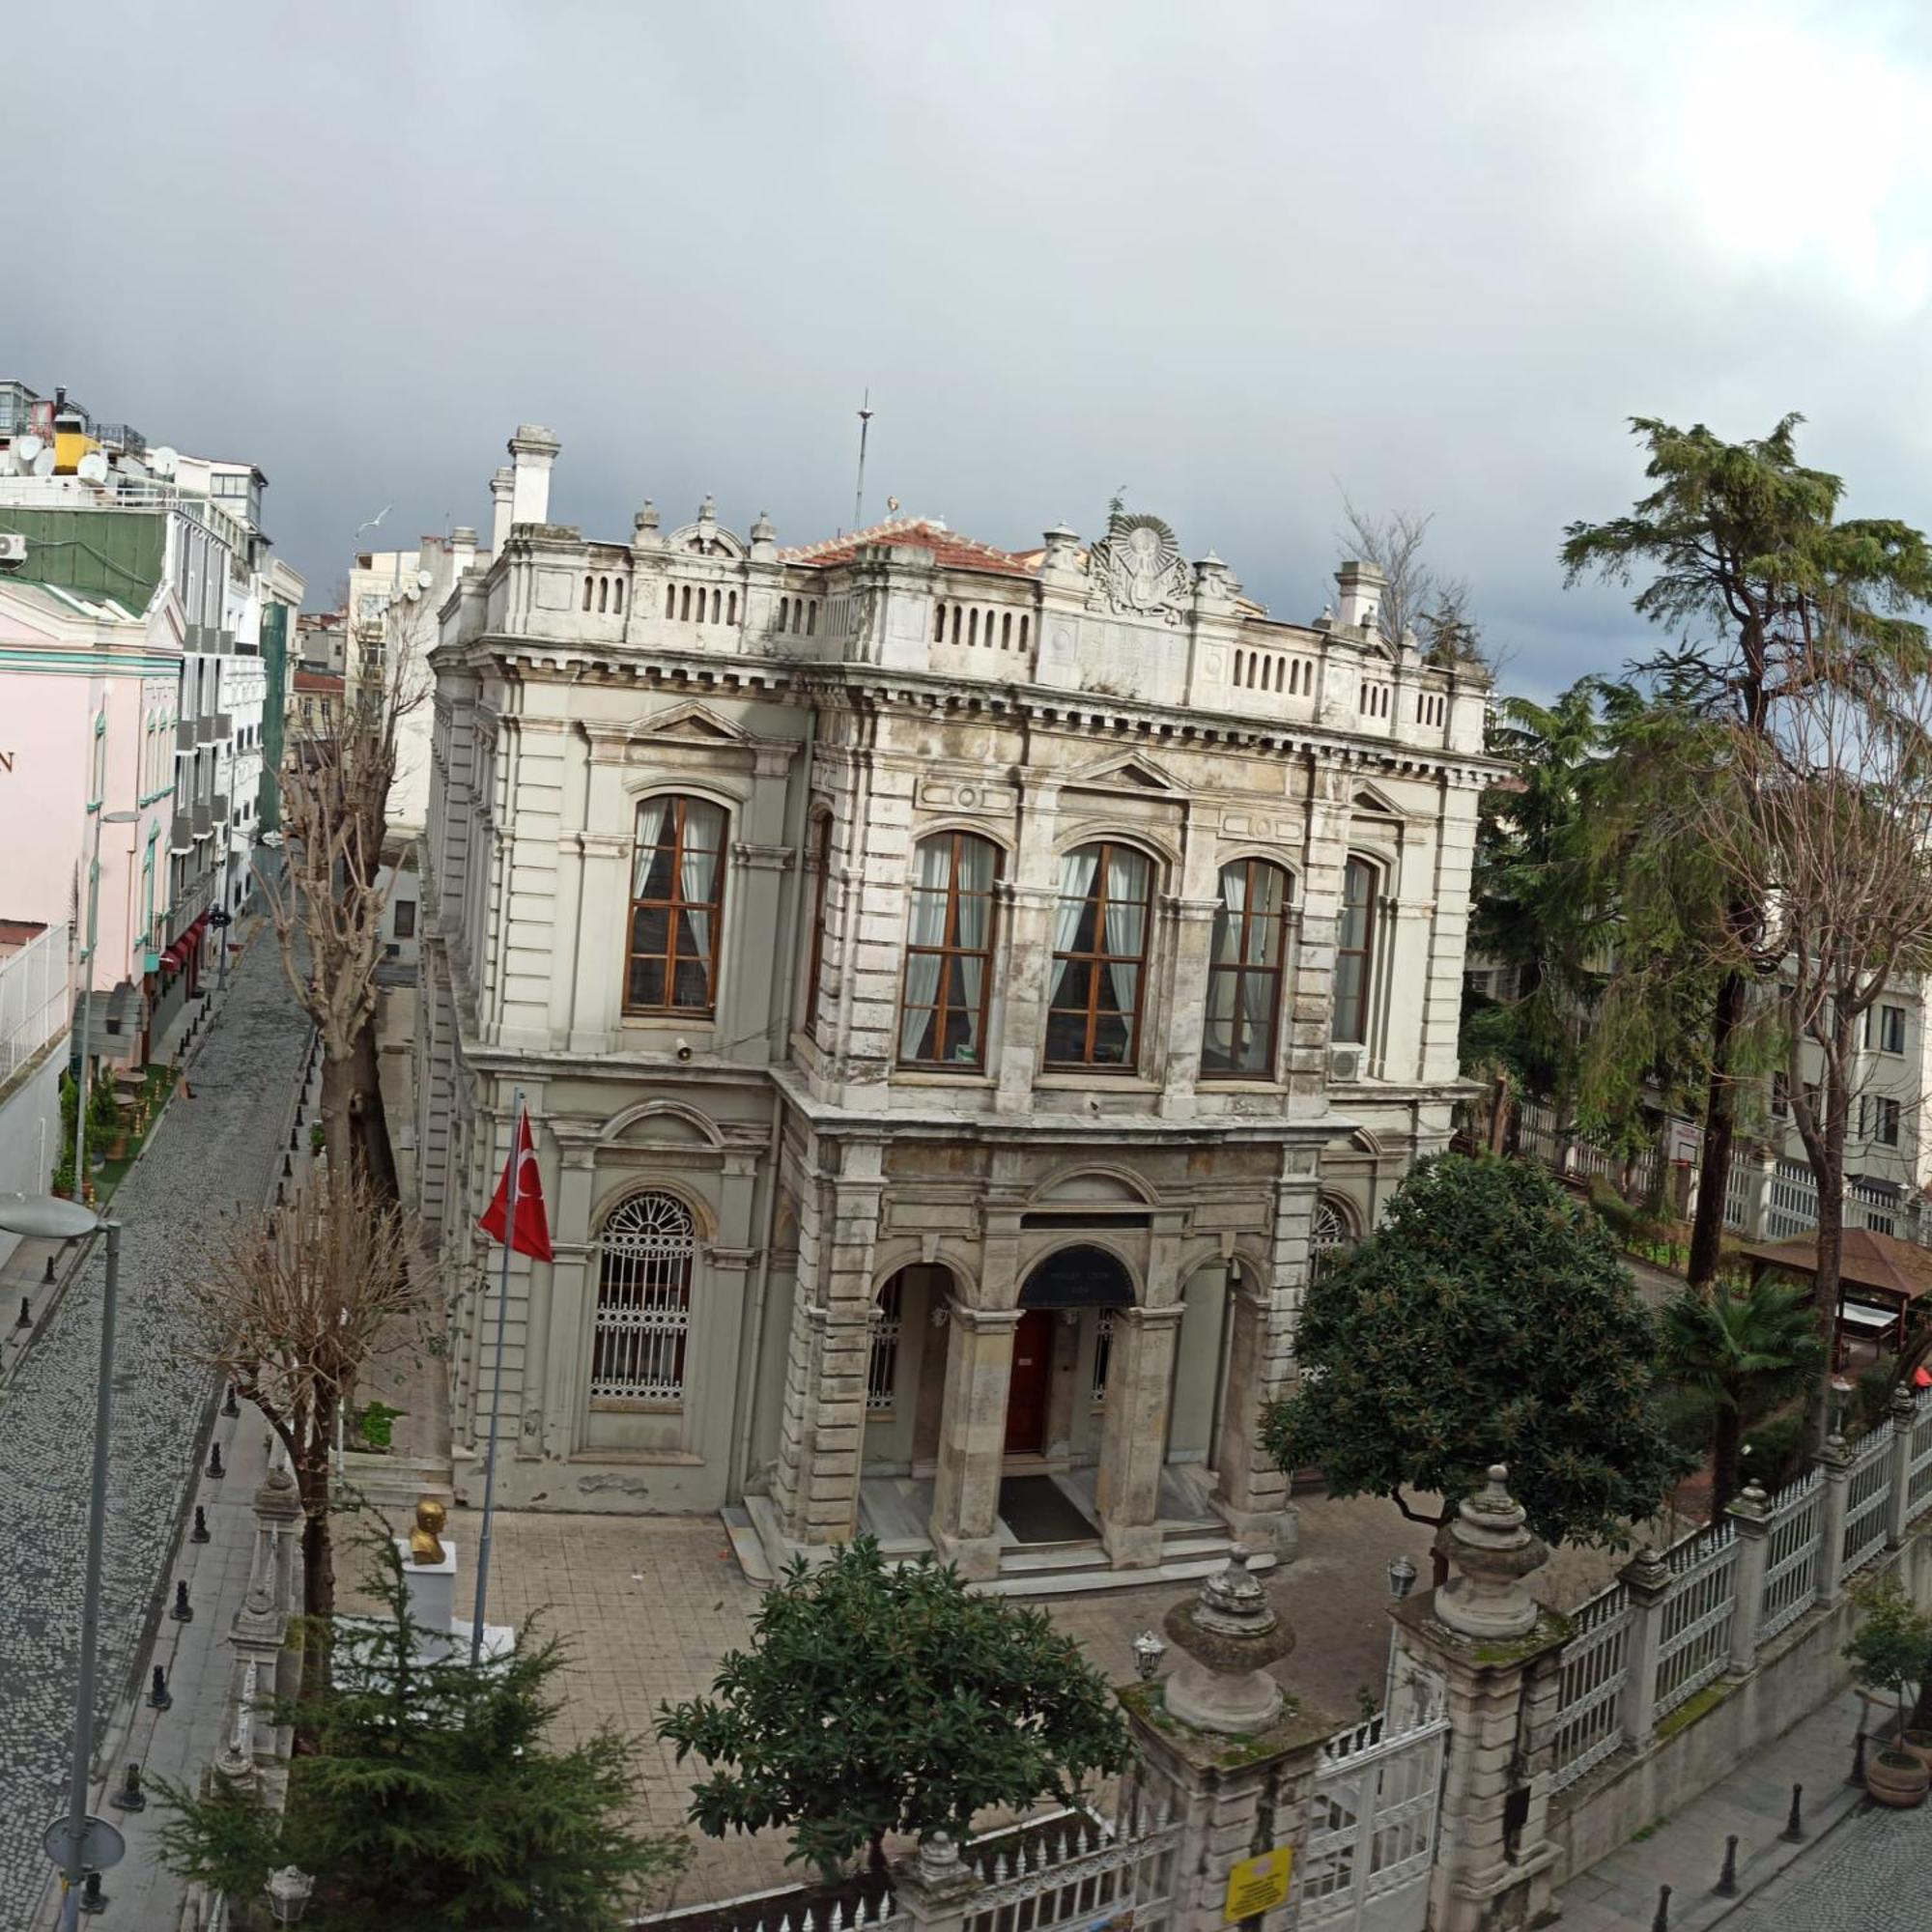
point(29, 1129)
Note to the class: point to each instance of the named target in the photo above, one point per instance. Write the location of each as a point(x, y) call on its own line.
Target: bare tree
point(290, 1304)
point(1829, 829)
point(329, 897)
point(1418, 604)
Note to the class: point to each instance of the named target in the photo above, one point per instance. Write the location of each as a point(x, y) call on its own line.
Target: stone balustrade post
point(1497, 1653)
point(1835, 1461)
point(935, 1886)
point(1749, 1514)
point(1647, 1579)
point(1904, 1412)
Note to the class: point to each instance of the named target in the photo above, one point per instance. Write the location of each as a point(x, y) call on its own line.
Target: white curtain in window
point(1076, 887)
point(650, 827)
point(1126, 920)
point(698, 876)
point(928, 928)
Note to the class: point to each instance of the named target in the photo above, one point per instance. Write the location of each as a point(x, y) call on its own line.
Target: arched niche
point(1083, 1275)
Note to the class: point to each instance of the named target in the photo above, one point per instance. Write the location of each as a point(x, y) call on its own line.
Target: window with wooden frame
point(1099, 957)
point(1354, 952)
point(948, 966)
point(815, 968)
point(677, 899)
point(1244, 971)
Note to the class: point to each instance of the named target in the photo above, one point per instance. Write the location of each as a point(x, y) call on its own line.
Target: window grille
point(643, 1300)
point(882, 1369)
point(1103, 1353)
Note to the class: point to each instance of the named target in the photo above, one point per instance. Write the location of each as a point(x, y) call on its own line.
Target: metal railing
point(36, 997)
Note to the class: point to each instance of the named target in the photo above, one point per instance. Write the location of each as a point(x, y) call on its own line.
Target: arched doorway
point(905, 1371)
point(1075, 1291)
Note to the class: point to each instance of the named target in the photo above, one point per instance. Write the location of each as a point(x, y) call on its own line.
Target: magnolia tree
point(879, 1699)
point(1489, 1319)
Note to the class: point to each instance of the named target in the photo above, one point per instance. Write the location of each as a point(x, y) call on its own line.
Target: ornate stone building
point(955, 990)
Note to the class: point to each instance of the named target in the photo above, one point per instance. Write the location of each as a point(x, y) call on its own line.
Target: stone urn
point(1490, 1552)
point(1229, 1636)
point(1896, 1777)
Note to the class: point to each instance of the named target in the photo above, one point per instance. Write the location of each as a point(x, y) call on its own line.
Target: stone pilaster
point(972, 1438)
point(1835, 1461)
point(1904, 1411)
point(1646, 1577)
point(1750, 1514)
point(1133, 1439)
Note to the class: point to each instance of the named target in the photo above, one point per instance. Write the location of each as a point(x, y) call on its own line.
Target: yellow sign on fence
point(1258, 1885)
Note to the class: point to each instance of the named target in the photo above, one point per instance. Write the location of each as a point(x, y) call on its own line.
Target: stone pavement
point(1687, 1852)
point(208, 1154)
point(650, 1605)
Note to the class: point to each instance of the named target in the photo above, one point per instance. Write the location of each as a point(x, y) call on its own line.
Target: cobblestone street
point(1871, 1875)
point(208, 1152)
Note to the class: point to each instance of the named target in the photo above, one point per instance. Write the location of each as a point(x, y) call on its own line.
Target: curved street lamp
point(289, 1892)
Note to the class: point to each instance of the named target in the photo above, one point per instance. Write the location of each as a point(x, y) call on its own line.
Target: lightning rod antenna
point(859, 495)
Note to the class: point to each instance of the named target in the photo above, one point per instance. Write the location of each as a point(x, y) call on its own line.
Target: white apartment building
point(955, 990)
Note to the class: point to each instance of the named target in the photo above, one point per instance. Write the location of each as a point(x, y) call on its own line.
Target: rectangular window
point(1885, 1030)
point(1099, 957)
point(1244, 971)
point(677, 891)
point(406, 919)
point(949, 952)
point(1354, 952)
point(1781, 1097)
point(1878, 1120)
point(815, 962)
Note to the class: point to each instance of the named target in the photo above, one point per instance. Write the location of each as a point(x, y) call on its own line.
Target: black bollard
point(228, 1406)
point(214, 1470)
point(93, 1899)
point(199, 1533)
point(183, 1611)
point(129, 1797)
point(26, 1319)
point(1794, 1826)
point(1858, 1776)
point(158, 1699)
point(1726, 1885)
point(1662, 1922)
point(288, 1170)
point(47, 1273)
point(292, 1140)
point(278, 1194)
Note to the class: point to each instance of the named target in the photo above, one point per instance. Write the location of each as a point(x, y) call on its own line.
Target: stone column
point(259, 1633)
point(1134, 1436)
point(557, 1399)
point(1497, 1653)
point(1223, 1751)
point(1750, 1512)
point(1647, 1579)
point(1904, 1410)
point(973, 1439)
point(1835, 1461)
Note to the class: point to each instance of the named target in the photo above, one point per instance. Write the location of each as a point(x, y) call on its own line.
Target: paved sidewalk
point(1687, 1852)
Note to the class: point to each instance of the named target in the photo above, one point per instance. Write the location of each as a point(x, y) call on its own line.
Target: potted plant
point(106, 1124)
point(63, 1182)
point(1889, 1652)
point(376, 1424)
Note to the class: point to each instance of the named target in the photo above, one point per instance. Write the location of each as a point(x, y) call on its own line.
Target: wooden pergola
point(1879, 1279)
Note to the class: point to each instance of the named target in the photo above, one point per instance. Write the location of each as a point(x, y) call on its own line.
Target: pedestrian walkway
point(207, 1155)
point(1687, 1852)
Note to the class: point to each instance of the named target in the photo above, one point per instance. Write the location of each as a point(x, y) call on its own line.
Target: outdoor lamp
point(1149, 1650)
point(1841, 1398)
point(1402, 1578)
point(288, 1893)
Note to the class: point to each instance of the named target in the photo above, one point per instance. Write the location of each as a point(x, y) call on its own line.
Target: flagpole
point(496, 1390)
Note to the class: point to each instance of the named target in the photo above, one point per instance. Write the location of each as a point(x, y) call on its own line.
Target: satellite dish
point(92, 467)
point(28, 449)
point(412, 591)
point(43, 463)
point(424, 580)
point(163, 461)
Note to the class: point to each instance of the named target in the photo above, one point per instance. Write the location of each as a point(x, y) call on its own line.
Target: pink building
point(88, 703)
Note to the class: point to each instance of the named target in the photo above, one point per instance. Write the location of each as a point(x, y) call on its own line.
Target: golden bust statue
point(426, 1538)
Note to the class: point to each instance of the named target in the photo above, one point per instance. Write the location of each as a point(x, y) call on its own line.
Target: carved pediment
point(690, 724)
point(1137, 569)
point(1133, 774)
point(1369, 803)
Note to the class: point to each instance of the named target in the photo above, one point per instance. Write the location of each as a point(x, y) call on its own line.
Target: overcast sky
point(1227, 256)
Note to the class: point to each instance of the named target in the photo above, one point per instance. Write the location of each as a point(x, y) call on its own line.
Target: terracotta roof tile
point(951, 551)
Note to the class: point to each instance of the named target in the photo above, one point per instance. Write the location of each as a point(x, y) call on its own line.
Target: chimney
point(461, 549)
point(1360, 587)
point(501, 482)
point(532, 451)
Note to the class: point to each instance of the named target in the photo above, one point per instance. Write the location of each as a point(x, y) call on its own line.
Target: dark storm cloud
point(1224, 255)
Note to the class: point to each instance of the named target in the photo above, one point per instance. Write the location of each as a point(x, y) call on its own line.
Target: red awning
point(171, 959)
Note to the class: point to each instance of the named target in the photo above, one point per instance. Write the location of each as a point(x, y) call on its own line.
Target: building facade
point(955, 990)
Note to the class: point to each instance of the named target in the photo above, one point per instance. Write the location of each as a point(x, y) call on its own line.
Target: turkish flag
point(531, 1235)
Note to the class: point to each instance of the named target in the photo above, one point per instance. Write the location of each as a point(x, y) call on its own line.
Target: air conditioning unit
point(13, 547)
point(1345, 1062)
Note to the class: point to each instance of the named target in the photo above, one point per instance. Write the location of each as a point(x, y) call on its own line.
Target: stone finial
point(276, 1496)
point(1490, 1552)
point(764, 531)
point(646, 519)
point(1229, 1634)
point(707, 511)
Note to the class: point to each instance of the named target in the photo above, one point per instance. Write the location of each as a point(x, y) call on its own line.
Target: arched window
point(1354, 952)
point(814, 970)
point(732, 608)
point(684, 604)
point(670, 600)
point(587, 594)
point(643, 1300)
point(1099, 957)
point(677, 890)
point(1332, 1234)
point(617, 594)
point(717, 606)
point(949, 967)
point(1244, 971)
point(603, 593)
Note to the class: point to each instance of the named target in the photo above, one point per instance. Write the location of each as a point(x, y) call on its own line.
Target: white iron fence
point(1371, 1834)
point(36, 996)
point(1817, 1532)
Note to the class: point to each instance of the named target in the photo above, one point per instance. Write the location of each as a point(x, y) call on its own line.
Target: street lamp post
point(44, 1218)
point(100, 818)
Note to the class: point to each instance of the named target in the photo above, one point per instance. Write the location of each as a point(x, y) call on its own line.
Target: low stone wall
point(1706, 1737)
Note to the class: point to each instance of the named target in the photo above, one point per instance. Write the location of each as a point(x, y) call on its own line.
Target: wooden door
point(1033, 1372)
